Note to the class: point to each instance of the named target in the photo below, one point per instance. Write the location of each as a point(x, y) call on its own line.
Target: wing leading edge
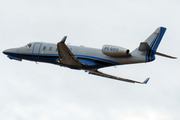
point(66, 57)
point(96, 72)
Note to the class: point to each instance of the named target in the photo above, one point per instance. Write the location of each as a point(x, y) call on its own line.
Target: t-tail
point(148, 48)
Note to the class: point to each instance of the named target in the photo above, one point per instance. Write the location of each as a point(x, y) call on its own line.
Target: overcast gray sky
point(30, 91)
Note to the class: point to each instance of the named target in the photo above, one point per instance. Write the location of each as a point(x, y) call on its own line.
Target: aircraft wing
point(66, 57)
point(96, 72)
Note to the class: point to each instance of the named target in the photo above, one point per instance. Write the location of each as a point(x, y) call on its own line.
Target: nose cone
point(5, 52)
point(9, 51)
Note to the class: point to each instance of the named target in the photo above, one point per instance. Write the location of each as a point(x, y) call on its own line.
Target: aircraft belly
point(87, 62)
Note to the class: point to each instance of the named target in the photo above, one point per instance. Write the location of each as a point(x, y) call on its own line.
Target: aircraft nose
point(5, 52)
point(8, 51)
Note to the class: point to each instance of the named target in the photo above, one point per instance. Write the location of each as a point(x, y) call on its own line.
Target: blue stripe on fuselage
point(96, 58)
point(52, 58)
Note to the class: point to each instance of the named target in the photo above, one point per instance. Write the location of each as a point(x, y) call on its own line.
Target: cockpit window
point(28, 45)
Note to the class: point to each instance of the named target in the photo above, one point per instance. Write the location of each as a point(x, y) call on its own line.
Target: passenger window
point(56, 49)
point(44, 48)
point(50, 48)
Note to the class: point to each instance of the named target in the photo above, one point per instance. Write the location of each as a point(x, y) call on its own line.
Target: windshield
point(28, 45)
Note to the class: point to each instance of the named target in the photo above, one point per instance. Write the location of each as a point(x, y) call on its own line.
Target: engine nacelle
point(114, 51)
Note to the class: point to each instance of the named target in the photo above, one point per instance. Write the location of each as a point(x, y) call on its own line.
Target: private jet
point(90, 59)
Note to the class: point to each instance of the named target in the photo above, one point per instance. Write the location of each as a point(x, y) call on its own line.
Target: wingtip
point(146, 81)
point(63, 40)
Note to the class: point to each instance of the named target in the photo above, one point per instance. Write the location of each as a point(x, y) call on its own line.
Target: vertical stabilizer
point(147, 49)
point(153, 41)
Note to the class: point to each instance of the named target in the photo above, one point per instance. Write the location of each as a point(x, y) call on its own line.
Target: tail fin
point(151, 44)
point(147, 49)
point(155, 38)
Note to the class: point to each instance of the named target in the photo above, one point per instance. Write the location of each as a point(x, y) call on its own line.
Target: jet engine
point(115, 51)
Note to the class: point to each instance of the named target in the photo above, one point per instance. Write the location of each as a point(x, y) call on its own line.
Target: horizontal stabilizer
point(164, 55)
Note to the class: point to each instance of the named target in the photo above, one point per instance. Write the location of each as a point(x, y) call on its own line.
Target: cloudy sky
point(30, 91)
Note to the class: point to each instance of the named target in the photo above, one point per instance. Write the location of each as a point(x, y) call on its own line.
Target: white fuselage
point(93, 58)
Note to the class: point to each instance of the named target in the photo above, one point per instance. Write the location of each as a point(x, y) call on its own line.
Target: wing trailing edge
point(98, 73)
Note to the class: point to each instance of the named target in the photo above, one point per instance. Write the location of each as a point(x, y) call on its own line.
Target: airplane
point(90, 59)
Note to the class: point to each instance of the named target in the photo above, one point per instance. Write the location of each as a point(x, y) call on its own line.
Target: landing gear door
point(36, 50)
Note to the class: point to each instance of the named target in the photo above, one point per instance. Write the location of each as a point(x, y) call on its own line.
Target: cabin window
point(44, 48)
point(50, 48)
point(56, 49)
